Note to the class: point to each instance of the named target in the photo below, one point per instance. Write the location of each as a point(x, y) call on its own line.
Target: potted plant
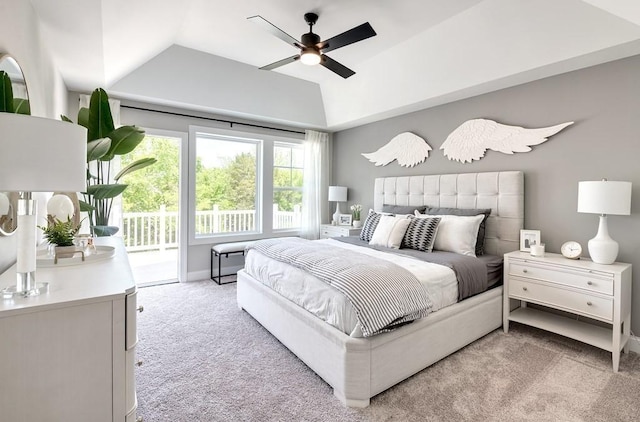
point(104, 143)
point(355, 212)
point(61, 234)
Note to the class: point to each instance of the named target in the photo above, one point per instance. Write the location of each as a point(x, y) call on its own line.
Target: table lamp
point(604, 197)
point(38, 155)
point(337, 194)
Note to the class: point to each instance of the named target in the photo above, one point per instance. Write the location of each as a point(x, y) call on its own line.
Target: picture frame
point(527, 237)
point(345, 219)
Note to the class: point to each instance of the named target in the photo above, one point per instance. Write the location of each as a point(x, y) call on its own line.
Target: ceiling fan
point(312, 50)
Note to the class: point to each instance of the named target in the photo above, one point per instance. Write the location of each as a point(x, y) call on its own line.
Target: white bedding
point(330, 305)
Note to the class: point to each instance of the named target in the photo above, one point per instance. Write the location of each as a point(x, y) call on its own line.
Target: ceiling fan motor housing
point(310, 39)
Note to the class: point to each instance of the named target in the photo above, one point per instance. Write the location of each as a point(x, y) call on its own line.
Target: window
point(288, 169)
point(226, 184)
point(243, 185)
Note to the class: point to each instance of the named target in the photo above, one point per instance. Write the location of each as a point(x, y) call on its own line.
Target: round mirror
point(15, 99)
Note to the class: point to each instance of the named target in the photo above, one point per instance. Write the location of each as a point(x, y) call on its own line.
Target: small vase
point(100, 231)
point(357, 224)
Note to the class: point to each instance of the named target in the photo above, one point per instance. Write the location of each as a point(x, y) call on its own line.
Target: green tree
point(154, 185)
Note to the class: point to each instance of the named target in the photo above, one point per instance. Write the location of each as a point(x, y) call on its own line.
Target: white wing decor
point(474, 137)
point(409, 149)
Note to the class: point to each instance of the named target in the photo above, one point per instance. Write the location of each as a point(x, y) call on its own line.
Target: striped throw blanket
point(383, 294)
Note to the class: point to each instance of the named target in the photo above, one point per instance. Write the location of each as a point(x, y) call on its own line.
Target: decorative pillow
point(404, 209)
point(466, 212)
point(421, 234)
point(369, 225)
point(390, 231)
point(457, 233)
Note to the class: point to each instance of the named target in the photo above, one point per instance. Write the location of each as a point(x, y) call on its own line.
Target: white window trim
point(264, 193)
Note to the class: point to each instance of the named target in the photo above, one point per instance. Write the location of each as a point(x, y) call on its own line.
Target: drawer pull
point(524, 271)
point(589, 303)
point(589, 282)
point(139, 363)
point(140, 308)
point(139, 419)
point(524, 288)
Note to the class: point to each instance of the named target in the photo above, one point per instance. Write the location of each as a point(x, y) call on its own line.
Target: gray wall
point(604, 102)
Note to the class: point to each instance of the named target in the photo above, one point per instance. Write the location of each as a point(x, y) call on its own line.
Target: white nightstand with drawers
point(579, 287)
point(328, 230)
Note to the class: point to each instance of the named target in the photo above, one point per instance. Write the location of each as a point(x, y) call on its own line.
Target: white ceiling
point(427, 52)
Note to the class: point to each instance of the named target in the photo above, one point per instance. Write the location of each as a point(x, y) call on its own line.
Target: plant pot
point(357, 224)
point(101, 231)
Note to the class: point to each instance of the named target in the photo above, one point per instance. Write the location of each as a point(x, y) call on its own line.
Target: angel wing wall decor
point(407, 148)
point(474, 137)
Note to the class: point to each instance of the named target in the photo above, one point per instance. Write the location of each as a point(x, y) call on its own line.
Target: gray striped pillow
point(369, 226)
point(421, 234)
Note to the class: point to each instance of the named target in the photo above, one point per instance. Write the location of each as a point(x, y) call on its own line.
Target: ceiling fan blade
point(351, 36)
point(336, 67)
point(274, 30)
point(281, 62)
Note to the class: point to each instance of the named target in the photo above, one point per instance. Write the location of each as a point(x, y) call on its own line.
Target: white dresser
point(328, 230)
point(580, 288)
point(69, 354)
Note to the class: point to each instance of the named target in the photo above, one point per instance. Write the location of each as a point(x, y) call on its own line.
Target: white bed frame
point(360, 368)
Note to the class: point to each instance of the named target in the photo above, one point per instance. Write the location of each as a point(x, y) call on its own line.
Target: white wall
point(20, 37)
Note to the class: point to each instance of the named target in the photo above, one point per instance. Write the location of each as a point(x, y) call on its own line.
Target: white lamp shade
point(41, 155)
point(604, 197)
point(337, 193)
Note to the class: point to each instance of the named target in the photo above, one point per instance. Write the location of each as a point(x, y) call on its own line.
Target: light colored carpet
point(206, 360)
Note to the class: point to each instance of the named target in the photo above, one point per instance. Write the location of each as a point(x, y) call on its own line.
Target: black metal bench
point(226, 249)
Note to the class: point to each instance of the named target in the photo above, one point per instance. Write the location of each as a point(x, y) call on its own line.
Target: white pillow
point(457, 233)
point(390, 231)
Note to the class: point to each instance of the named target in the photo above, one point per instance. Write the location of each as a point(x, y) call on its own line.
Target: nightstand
point(328, 230)
point(580, 288)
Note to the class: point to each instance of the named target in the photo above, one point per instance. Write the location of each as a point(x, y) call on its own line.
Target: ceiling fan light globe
point(310, 57)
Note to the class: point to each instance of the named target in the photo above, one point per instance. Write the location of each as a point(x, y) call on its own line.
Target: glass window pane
point(225, 185)
point(287, 209)
point(281, 177)
point(282, 156)
point(297, 178)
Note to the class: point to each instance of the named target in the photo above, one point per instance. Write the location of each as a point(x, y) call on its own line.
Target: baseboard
point(206, 274)
point(634, 344)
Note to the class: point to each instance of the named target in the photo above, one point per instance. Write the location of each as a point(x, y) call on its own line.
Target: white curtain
point(316, 182)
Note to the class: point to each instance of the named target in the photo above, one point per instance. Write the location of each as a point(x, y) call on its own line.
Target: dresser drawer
point(132, 320)
point(570, 300)
point(595, 281)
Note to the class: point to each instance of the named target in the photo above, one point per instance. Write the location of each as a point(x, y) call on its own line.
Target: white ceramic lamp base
point(602, 248)
point(336, 215)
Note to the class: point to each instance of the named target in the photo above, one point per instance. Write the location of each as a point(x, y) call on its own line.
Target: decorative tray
point(43, 259)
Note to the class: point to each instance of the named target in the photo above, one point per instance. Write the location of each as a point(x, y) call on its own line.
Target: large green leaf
point(6, 93)
point(136, 165)
point(65, 119)
point(124, 140)
point(100, 120)
point(106, 191)
point(85, 206)
point(98, 148)
point(21, 106)
point(83, 118)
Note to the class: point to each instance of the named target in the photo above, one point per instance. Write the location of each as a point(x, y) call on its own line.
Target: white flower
point(356, 207)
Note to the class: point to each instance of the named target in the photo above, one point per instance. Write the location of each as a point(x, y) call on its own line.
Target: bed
point(359, 368)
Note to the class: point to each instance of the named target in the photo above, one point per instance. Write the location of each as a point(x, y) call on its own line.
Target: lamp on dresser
point(604, 197)
point(337, 194)
point(38, 155)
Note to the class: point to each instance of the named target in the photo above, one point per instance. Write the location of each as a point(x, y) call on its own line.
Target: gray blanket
point(470, 271)
point(383, 294)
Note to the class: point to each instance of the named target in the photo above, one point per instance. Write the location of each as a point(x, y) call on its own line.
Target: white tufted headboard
point(501, 191)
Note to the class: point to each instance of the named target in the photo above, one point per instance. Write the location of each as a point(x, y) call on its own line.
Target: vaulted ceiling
point(205, 54)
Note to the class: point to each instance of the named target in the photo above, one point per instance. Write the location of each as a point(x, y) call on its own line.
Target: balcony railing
point(145, 231)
